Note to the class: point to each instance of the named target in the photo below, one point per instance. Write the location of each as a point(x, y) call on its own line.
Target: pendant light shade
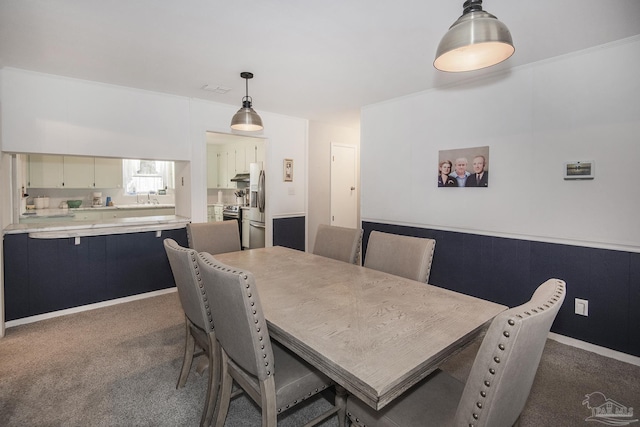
point(476, 40)
point(246, 118)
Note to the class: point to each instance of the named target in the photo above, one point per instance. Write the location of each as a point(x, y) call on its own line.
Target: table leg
point(341, 404)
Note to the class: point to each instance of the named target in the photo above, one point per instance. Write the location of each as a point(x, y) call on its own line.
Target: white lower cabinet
point(85, 215)
point(128, 213)
point(217, 213)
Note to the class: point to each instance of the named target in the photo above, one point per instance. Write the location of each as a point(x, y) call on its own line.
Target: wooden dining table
point(372, 333)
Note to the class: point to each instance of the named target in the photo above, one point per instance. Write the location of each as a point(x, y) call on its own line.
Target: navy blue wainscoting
point(289, 232)
point(508, 271)
point(45, 275)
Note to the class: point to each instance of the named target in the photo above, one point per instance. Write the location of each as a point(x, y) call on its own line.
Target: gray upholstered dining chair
point(404, 256)
point(198, 321)
point(499, 382)
point(272, 376)
point(339, 243)
point(214, 237)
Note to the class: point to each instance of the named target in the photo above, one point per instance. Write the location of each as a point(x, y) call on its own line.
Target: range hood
point(241, 177)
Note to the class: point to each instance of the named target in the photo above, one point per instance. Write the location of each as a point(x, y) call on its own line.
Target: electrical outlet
point(582, 307)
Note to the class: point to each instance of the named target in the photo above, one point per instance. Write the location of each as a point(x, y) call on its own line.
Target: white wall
point(43, 113)
point(583, 106)
point(285, 137)
point(321, 136)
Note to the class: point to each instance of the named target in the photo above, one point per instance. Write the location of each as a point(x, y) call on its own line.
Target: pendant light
point(476, 40)
point(246, 118)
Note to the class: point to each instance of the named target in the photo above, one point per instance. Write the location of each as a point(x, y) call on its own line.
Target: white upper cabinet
point(227, 159)
point(45, 171)
point(223, 168)
point(213, 153)
point(260, 152)
point(108, 173)
point(78, 172)
point(241, 164)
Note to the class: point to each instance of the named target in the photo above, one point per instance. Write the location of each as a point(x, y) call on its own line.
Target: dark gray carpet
point(118, 366)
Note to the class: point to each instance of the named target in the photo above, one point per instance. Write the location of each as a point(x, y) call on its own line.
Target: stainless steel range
point(230, 212)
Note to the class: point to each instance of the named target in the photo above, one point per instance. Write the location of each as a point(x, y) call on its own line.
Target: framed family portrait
point(288, 170)
point(464, 167)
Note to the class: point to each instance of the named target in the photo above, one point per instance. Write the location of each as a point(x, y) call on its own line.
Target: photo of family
point(464, 167)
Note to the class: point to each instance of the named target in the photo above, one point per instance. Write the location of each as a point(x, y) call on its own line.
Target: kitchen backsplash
point(118, 196)
point(228, 195)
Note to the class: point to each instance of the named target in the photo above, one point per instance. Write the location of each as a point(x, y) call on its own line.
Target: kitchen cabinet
point(223, 169)
point(213, 154)
point(108, 173)
point(240, 164)
point(254, 153)
point(46, 275)
point(78, 172)
point(224, 161)
point(214, 213)
point(45, 171)
point(260, 152)
point(48, 171)
point(246, 227)
point(217, 213)
point(86, 215)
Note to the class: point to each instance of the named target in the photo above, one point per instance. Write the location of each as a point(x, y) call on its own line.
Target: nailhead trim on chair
point(296, 401)
point(252, 303)
point(260, 336)
point(203, 293)
point(358, 249)
point(495, 361)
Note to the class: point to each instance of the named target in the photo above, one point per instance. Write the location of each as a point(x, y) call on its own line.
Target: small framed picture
point(579, 170)
point(288, 170)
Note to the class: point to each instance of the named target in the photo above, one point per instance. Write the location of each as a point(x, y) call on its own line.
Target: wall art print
point(463, 167)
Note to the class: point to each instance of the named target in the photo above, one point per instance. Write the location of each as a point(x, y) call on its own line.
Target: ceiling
point(319, 60)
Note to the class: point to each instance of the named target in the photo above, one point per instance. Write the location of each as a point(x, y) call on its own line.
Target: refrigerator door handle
point(256, 225)
point(261, 195)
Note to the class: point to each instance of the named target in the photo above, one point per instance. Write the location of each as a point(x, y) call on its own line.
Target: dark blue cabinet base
point(46, 275)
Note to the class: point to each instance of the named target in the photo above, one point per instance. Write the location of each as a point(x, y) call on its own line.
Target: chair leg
point(214, 381)
point(189, 348)
point(269, 404)
point(224, 396)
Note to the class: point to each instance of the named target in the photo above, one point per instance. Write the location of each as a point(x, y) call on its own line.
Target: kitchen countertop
point(60, 213)
point(53, 230)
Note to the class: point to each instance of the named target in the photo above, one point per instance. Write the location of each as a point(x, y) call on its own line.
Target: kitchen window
point(147, 176)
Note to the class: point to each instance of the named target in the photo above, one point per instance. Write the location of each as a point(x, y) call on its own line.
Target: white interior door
point(344, 195)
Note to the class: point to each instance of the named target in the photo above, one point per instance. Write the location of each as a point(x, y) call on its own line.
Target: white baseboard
point(88, 307)
point(603, 351)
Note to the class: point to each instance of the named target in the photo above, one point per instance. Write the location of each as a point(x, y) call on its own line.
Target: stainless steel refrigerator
point(256, 206)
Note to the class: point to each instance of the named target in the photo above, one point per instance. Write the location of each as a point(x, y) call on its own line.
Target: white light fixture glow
point(476, 40)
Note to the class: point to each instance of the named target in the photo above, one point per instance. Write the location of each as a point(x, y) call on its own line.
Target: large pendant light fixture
point(246, 118)
point(476, 40)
